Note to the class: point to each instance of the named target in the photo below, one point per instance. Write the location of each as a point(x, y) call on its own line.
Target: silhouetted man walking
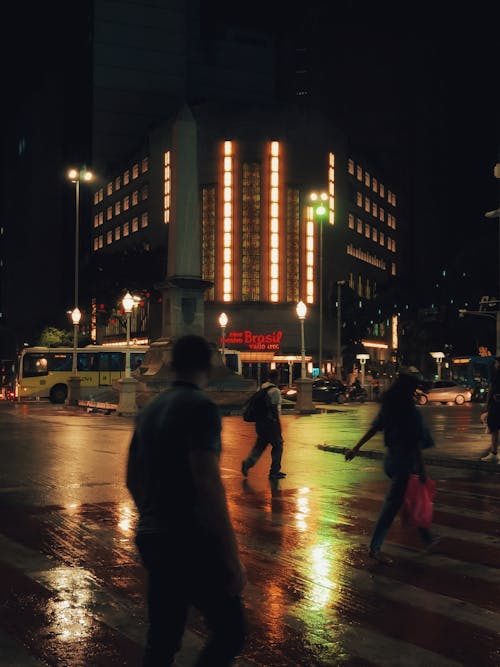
point(184, 535)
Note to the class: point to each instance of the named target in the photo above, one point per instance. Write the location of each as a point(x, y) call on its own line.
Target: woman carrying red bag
point(405, 434)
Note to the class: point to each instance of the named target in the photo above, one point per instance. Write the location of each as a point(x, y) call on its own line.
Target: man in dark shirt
point(184, 534)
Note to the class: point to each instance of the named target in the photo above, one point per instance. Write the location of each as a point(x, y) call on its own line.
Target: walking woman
point(404, 435)
point(493, 414)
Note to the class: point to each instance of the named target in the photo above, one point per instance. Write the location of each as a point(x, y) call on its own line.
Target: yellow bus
point(43, 372)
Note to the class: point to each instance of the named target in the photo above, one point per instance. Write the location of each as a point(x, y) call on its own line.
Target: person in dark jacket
point(404, 434)
point(493, 414)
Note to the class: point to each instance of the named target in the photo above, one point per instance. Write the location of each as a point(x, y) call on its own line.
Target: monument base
point(304, 403)
point(74, 384)
point(127, 406)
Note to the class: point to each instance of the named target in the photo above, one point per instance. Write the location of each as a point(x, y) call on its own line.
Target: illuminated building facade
point(260, 237)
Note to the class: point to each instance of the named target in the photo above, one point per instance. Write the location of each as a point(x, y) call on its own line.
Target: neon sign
point(252, 341)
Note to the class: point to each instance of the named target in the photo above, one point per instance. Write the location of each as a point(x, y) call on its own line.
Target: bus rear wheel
point(58, 393)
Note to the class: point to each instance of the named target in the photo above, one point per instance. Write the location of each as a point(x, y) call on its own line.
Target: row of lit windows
point(227, 263)
point(122, 206)
point(366, 291)
point(371, 232)
point(121, 231)
point(370, 181)
point(119, 181)
point(167, 178)
point(331, 188)
point(274, 215)
point(365, 256)
point(310, 254)
point(375, 210)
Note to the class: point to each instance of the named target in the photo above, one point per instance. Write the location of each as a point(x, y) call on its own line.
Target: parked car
point(323, 391)
point(444, 391)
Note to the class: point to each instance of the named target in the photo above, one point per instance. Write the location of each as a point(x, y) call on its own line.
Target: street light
point(76, 316)
point(301, 313)
point(362, 360)
point(339, 329)
point(320, 212)
point(128, 304)
point(491, 215)
point(438, 356)
point(223, 320)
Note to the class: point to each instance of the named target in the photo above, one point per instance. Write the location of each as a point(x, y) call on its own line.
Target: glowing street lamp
point(438, 357)
point(128, 303)
point(301, 314)
point(362, 358)
point(223, 320)
point(320, 213)
point(76, 316)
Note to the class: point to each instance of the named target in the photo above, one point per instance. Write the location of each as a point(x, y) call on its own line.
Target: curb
point(430, 459)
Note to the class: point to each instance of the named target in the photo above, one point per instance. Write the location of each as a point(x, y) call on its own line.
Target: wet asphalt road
point(72, 587)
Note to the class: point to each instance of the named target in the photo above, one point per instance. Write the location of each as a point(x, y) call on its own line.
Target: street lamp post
point(339, 329)
point(301, 314)
point(223, 320)
point(320, 212)
point(128, 304)
point(438, 357)
point(362, 360)
point(74, 382)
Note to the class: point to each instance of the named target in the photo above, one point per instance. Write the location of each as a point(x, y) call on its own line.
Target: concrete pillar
point(74, 383)
point(127, 406)
point(304, 402)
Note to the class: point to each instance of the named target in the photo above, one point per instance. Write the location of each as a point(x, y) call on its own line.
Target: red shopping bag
point(419, 502)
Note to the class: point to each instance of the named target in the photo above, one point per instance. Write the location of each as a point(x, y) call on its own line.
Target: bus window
point(88, 361)
point(60, 361)
point(136, 359)
point(112, 361)
point(34, 365)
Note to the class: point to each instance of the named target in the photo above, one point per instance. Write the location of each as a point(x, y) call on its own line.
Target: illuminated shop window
point(331, 188)
point(135, 224)
point(144, 220)
point(208, 227)
point(126, 177)
point(135, 171)
point(144, 165)
point(274, 228)
point(250, 231)
point(310, 254)
point(227, 236)
point(118, 183)
point(350, 166)
point(109, 189)
point(167, 177)
point(351, 221)
point(359, 173)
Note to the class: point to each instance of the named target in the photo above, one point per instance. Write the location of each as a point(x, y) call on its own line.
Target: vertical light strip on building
point(394, 332)
point(274, 210)
point(331, 188)
point(227, 260)
point(309, 254)
point(166, 188)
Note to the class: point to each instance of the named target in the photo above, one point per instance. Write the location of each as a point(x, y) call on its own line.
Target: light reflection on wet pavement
point(73, 589)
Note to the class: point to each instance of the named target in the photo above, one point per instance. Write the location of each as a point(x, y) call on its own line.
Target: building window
point(374, 209)
point(96, 243)
point(381, 238)
point(126, 203)
point(109, 189)
point(250, 231)
point(109, 213)
point(135, 171)
point(310, 263)
point(126, 228)
point(144, 192)
point(381, 190)
point(367, 204)
point(359, 228)
point(101, 218)
point(367, 230)
point(351, 221)
point(393, 269)
point(118, 207)
point(381, 214)
point(144, 165)
point(117, 233)
point(331, 188)
point(118, 183)
point(367, 179)
point(293, 246)
point(374, 184)
point(135, 224)
point(96, 220)
point(274, 224)
point(374, 235)
point(135, 197)
point(126, 177)
point(227, 236)
point(351, 280)
point(359, 199)
point(101, 241)
point(360, 285)
point(359, 173)
point(350, 166)
point(144, 220)
point(96, 197)
point(167, 175)
point(389, 196)
point(109, 237)
point(208, 226)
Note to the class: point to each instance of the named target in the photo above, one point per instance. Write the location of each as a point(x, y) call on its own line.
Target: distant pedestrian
point(268, 430)
point(404, 436)
point(184, 536)
point(493, 414)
